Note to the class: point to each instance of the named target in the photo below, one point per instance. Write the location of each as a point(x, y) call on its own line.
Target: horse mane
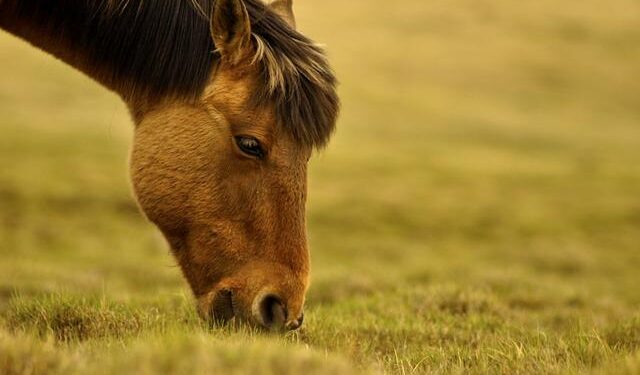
point(152, 49)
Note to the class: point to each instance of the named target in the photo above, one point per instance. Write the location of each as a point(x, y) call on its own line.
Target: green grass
point(477, 212)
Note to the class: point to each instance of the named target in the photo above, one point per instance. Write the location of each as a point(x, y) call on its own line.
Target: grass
point(477, 211)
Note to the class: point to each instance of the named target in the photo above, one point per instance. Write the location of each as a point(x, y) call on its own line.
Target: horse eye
point(250, 146)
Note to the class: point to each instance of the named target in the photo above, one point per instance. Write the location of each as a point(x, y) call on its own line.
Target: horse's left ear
point(231, 30)
point(284, 8)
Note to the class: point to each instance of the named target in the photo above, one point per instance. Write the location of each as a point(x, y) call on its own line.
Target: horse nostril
point(222, 308)
point(273, 314)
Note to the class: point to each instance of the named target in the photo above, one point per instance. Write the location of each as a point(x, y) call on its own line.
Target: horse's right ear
point(284, 8)
point(231, 30)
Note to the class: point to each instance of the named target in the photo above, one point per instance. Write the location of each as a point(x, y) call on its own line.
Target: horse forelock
point(295, 76)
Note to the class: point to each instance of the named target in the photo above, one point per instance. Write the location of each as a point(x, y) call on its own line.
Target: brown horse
point(229, 102)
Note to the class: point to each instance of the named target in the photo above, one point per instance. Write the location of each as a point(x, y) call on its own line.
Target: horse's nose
point(271, 312)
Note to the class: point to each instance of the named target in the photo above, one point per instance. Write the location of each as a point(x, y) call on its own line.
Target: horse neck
point(144, 51)
point(31, 28)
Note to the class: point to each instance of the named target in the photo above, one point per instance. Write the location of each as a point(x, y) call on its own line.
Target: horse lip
point(222, 307)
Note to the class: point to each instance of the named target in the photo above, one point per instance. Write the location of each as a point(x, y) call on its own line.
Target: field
point(477, 212)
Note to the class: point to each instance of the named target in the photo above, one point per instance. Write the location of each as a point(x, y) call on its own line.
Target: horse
point(229, 101)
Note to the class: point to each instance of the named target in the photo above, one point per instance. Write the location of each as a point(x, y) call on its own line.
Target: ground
point(477, 212)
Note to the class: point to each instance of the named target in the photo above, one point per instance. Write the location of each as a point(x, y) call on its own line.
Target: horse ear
point(284, 8)
point(231, 30)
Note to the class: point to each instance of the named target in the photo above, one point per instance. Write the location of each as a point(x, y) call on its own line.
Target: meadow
point(478, 210)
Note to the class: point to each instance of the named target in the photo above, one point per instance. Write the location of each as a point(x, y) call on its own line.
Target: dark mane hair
point(151, 49)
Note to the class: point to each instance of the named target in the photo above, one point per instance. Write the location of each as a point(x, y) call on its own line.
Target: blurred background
point(484, 181)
